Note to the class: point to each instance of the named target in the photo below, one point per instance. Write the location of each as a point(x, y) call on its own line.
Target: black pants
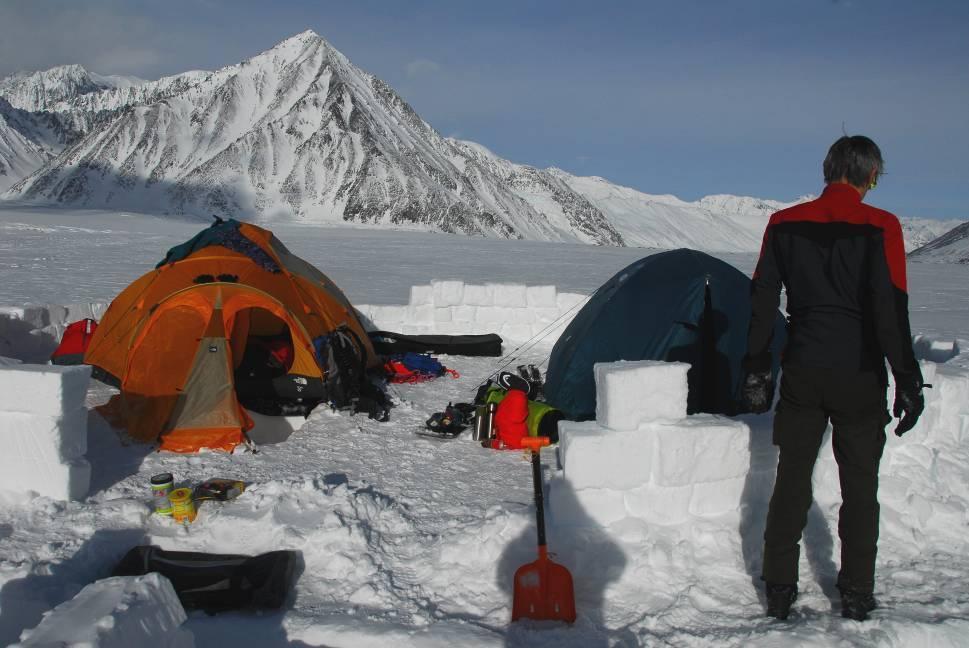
point(856, 405)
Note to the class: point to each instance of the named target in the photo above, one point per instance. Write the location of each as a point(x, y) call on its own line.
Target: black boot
point(856, 604)
point(779, 599)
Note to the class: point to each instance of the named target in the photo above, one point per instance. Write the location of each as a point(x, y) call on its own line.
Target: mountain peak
point(299, 41)
point(304, 36)
point(296, 47)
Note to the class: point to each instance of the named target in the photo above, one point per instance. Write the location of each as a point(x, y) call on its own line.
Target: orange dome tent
point(173, 341)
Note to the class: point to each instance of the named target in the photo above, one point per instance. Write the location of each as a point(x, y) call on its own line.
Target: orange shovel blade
point(543, 591)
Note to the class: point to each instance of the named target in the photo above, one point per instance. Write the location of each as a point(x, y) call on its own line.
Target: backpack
point(347, 385)
point(343, 361)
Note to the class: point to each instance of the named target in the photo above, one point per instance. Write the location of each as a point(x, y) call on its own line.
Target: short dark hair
point(853, 158)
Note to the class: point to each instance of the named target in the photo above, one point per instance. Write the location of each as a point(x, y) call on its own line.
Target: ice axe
point(543, 589)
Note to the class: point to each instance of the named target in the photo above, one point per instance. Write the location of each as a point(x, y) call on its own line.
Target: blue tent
point(680, 305)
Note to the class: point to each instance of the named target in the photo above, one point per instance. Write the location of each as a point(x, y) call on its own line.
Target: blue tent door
point(681, 305)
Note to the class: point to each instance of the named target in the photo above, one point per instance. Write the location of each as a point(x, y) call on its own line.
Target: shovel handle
point(539, 498)
point(535, 443)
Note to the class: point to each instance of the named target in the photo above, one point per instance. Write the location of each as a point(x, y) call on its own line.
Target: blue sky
point(685, 97)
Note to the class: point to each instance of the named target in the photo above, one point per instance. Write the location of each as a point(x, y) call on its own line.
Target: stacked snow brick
point(643, 457)
point(43, 430)
point(514, 311)
point(118, 612)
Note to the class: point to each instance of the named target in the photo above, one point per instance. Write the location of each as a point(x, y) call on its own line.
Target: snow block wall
point(514, 311)
point(643, 457)
point(43, 430)
point(118, 612)
point(31, 333)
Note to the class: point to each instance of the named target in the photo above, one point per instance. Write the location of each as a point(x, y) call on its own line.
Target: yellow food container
point(183, 506)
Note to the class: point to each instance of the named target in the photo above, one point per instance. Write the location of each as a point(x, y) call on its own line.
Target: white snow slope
point(951, 247)
point(727, 223)
point(922, 231)
point(20, 151)
point(411, 542)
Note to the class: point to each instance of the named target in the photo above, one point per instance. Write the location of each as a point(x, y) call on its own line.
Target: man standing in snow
point(842, 264)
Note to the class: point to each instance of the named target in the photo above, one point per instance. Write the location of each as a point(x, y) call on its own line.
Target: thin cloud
point(421, 67)
point(126, 60)
point(105, 36)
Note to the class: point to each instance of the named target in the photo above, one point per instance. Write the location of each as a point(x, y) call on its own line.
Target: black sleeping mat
point(386, 343)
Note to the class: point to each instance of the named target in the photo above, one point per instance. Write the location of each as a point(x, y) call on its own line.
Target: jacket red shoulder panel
point(842, 204)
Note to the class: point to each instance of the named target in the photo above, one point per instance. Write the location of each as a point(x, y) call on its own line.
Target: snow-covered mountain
point(37, 91)
point(920, 231)
point(40, 115)
point(28, 140)
point(951, 247)
point(299, 133)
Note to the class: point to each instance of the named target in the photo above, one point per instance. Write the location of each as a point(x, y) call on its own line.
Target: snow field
point(468, 512)
point(390, 550)
point(417, 546)
point(517, 312)
point(118, 612)
point(644, 457)
point(43, 429)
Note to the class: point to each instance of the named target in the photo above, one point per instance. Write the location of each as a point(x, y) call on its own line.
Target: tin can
point(483, 415)
point(161, 488)
point(183, 506)
point(480, 432)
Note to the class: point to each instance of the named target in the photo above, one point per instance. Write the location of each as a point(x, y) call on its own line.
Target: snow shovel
point(543, 589)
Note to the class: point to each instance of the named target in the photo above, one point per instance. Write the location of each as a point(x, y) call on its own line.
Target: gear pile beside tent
point(227, 319)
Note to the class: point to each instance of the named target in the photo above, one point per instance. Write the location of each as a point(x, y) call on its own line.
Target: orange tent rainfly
point(229, 317)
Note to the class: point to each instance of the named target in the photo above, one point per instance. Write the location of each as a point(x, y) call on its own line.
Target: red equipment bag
point(509, 421)
point(74, 342)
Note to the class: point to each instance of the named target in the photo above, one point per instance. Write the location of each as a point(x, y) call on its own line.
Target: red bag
point(509, 421)
point(74, 343)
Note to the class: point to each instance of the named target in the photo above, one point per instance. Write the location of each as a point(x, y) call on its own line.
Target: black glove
point(757, 394)
point(909, 402)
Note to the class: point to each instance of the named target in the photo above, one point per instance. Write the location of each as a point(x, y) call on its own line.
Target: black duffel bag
point(218, 582)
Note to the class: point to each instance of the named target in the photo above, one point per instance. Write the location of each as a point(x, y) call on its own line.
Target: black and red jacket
point(842, 263)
